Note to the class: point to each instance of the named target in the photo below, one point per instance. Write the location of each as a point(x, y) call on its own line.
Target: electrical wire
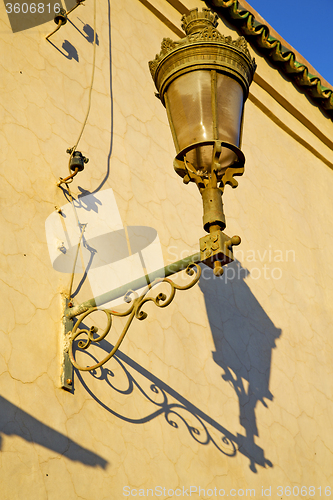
point(73, 149)
point(68, 179)
point(82, 228)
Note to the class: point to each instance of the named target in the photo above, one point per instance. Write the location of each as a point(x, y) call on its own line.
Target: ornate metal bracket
point(134, 311)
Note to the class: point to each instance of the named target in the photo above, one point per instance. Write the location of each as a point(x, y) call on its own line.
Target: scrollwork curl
point(134, 311)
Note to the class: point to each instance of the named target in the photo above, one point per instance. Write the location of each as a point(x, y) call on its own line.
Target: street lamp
point(203, 81)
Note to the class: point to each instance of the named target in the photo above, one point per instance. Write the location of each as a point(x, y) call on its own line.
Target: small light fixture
point(203, 81)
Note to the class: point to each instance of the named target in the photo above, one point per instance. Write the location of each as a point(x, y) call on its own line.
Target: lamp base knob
point(218, 269)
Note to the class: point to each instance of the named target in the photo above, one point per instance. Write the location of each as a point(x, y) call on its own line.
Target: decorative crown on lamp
point(203, 81)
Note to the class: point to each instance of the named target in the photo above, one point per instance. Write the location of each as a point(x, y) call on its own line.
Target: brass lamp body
point(203, 81)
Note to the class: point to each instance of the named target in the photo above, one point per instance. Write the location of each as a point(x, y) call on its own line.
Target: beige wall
point(231, 385)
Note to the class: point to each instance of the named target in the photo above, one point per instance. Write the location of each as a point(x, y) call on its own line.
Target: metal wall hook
point(61, 18)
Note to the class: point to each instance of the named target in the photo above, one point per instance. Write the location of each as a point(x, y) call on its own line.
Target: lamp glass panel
point(191, 111)
point(230, 102)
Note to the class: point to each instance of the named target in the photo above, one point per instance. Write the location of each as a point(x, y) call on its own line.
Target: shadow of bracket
point(175, 408)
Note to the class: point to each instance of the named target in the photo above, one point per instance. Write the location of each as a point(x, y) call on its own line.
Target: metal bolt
point(69, 381)
point(235, 240)
point(218, 269)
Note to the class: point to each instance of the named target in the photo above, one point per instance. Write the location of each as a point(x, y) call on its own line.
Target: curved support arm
point(134, 311)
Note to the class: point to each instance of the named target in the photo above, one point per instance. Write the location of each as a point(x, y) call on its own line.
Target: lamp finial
point(196, 21)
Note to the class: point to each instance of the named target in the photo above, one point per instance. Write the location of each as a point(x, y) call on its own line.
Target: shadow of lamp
point(203, 81)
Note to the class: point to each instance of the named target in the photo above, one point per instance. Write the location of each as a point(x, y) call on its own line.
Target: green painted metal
point(133, 311)
point(66, 378)
point(175, 267)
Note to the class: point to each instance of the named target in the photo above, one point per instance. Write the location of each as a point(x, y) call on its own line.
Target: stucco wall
point(231, 385)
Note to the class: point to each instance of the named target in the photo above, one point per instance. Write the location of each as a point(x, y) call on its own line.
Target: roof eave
point(281, 57)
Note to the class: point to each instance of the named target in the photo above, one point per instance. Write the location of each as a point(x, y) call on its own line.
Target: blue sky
point(307, 25)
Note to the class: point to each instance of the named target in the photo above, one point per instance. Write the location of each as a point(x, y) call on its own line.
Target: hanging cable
point(73, 149)
point(82, 159)
point(90, 88)
point(82, 228)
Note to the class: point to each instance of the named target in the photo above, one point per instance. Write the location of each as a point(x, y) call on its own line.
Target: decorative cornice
point(258, 35)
